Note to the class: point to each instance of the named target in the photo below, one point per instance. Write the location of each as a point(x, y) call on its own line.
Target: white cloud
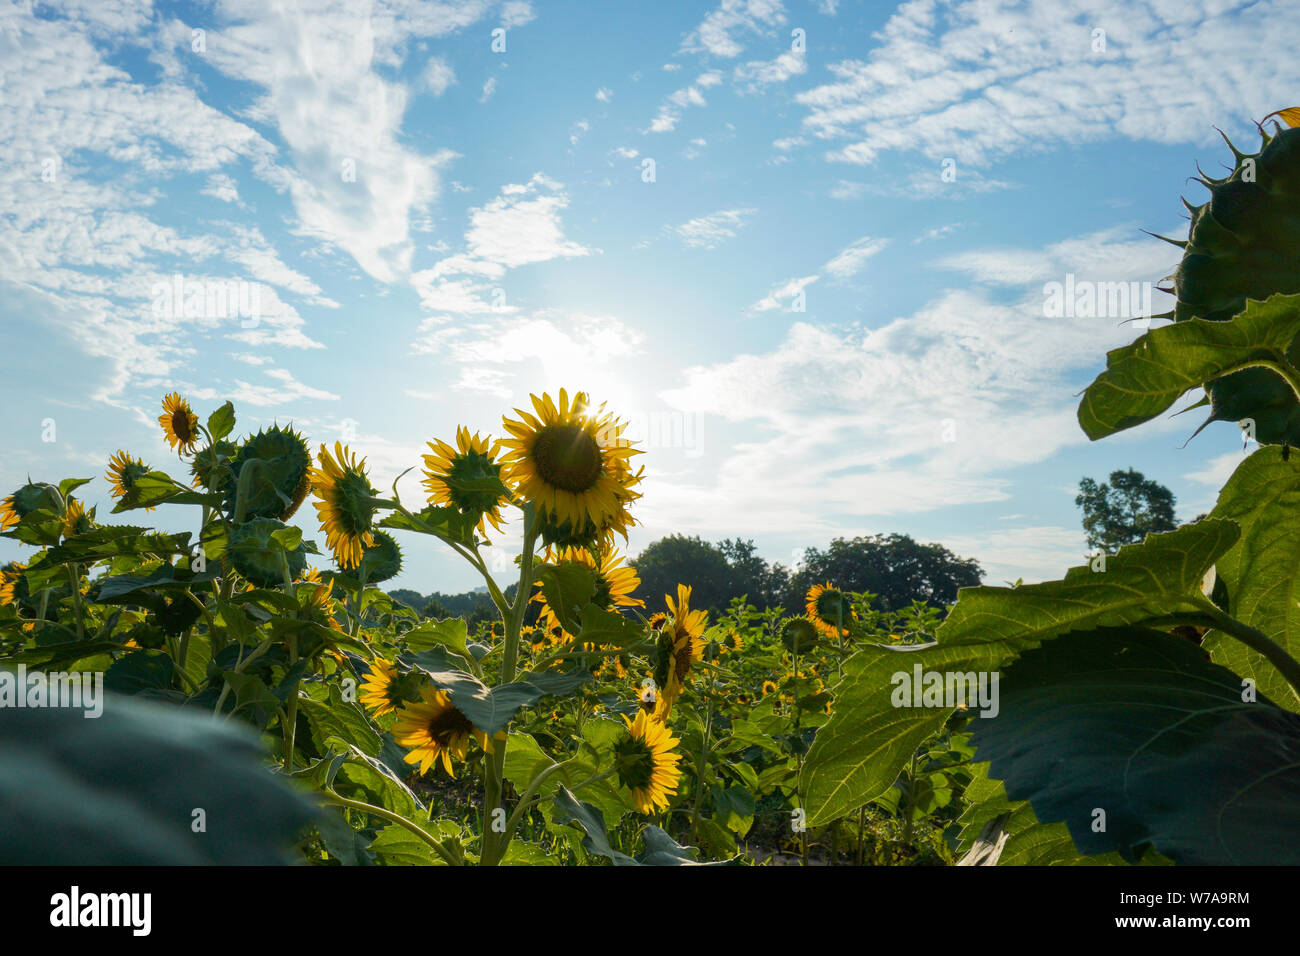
point(930, 410)
point(516, 13)
point(719, 32)
point(782, 294)
point(670, 111)
point(491, 352)
point(978, 81)
point(222, 187)
point(519, 227)
point(757, 75)
point(850, 260)
point(708, 232)
point(489, 87)
point(604, 94)
point(438, 75)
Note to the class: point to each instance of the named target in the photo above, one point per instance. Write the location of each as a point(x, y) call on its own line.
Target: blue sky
point(801, 247)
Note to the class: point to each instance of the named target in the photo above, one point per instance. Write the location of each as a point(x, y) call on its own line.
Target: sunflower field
point(266, 700)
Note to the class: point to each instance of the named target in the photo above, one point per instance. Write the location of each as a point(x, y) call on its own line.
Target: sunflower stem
point(495, 845)
point(1257, 641)
point(74, 577)
point(244, 488)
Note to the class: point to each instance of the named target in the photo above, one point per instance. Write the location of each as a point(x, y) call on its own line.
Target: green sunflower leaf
point(222, 422)
point(857, 755)
point(568, 588)
point(1146, 377)
point(1262, 571)
point(123, 790)
point(1162, 749)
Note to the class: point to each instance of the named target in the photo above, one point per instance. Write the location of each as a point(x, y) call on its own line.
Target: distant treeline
point(894, 567)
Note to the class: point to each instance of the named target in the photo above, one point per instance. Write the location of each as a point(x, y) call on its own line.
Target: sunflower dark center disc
point(351, 494)
point(446, 726)
point(181, 425)
point(567, 457)
point(635, 763)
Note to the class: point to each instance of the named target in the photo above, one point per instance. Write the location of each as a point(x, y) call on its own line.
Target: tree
point(1124, 511)
point(692, 561)
point(896, 568)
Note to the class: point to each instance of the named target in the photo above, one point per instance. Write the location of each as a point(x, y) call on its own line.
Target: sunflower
point(9, 516)
point(572, 463)
point(75, 519)
point(769, 687)
point(380, 691)
point(466, 477)
point(9, 576)
point(435, 729)
point(123, 472)
point(33, 496)
point(646, 763)
point(615, 582)
point(345, 509)
point(316, 599)
point(829, 609)
point(179, 423)
point(684, 633)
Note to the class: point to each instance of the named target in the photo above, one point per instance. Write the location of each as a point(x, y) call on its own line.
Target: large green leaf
point(1139, 725)
point(1144, 378)
point(1262, 571)
point(336, 717)
point(155, 488)
point(1159, 577)
point(124, 789)
point(860, 751)
point(568, 587)
point(1029, 842)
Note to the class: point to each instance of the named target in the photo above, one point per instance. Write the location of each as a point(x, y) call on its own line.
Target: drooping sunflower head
point(210, 466)
point(279, 482)
point(315, 596)
point(681, 643)
point(769, 687)
point(381, 691)
point(615, 581)
point(33, 496)
point(179, 423)
point(829, 609)
point(381, 559)
point(434, 729)
point(75, 519)
point(123, 472)
point(572, 463)
point(12, 585)
point(467, 477)
point(798, 634)
point(258, 552)
point(345, 508)
point(646, 763)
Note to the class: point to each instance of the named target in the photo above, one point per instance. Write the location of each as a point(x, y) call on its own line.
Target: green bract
point(1243, 244)
point(277, 486)
point(260, 557)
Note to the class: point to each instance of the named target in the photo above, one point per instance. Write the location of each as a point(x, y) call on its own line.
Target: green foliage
point(1124, 511)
